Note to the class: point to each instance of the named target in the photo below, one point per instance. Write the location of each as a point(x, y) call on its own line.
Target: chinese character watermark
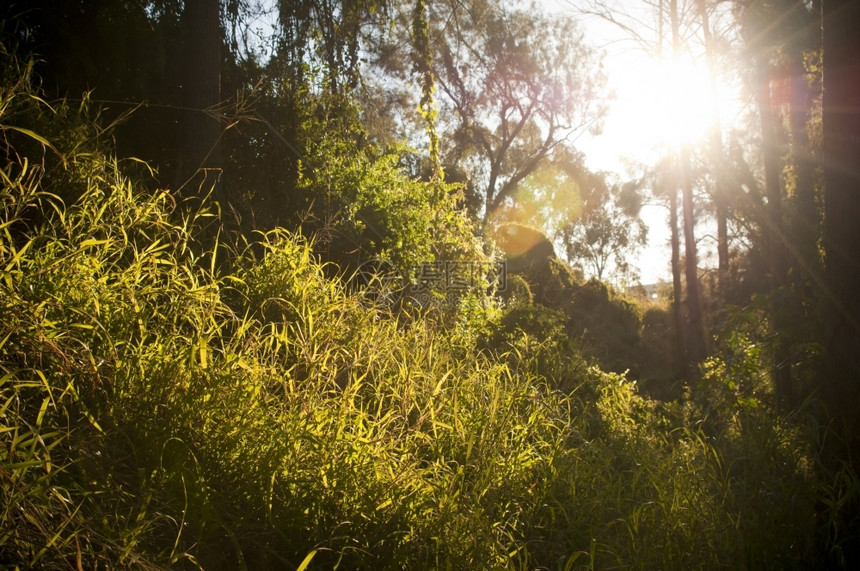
point(432, 282)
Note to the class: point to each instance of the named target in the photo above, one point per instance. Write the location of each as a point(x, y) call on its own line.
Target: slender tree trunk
point(776, 236)
point(721, 206)
point(696, 346)
point(675, 240)
point(677, 292)
point(806, 221)
point(202, 92)
point(696, 343)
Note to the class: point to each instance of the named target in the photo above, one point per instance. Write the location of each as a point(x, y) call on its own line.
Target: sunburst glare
point(662, 104)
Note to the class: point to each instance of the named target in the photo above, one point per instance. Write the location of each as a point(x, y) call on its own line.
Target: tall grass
point(158, 411)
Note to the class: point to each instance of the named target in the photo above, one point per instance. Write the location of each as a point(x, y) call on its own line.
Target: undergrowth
point(159, 411)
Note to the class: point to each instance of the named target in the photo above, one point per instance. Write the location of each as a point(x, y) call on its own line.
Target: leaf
point(37, 137)
point(304, 564)
point(204, 352)
point(16, 259)
point(93, 242)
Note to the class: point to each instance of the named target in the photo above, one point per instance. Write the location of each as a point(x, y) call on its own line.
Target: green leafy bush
point(372, 209)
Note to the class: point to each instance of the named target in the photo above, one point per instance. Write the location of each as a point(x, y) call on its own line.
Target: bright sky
point(656, 104)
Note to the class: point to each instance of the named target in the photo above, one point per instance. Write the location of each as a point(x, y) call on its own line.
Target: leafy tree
point(782, 44)
point(608, 229)
point(549, 198)
point(516, 84)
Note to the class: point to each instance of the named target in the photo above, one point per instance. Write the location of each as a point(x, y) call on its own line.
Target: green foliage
point(642, 485)
point(608, 327)
point(518, 84)
point(608, 324)
point(656, 364)
point(534, 336)
point(422, 64)
point(158, 410)
point(374, 210)
point(608, 230)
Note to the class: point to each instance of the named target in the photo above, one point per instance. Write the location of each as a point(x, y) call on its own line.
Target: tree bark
point(776, 236)
point(721, 206)
point(696, 343)
point(841, 125)
point(841, 130)
point(677, 292)
point(806, 220)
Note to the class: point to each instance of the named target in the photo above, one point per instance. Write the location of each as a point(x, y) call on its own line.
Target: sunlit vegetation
point(251, 365)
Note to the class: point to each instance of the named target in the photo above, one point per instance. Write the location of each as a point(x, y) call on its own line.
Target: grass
point(166, 404)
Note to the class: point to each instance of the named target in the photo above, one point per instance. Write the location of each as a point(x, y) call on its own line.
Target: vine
point(422, 64)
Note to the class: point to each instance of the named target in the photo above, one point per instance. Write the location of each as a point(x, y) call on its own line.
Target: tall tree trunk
point(696, 343)
point(677, 292)
point(806, 220)
point(721, 206)
point(841, 124)
point(681, 362)
point(841, 129)
point(696, 346)
point(202, 92)
point(776, 235)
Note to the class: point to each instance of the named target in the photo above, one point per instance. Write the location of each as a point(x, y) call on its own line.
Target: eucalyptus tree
point(516, 86)
point(841, 239)
point(608, 230)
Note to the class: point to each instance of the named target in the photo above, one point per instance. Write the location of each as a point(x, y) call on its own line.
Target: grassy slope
point(159, 413)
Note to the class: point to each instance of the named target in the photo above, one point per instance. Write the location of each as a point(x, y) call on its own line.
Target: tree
point(516, 86)
point(664, 181)
point(607, 231)
point(720, 198)
point(841, 128)
point(782, 43)
point(685, 21)
point(841, 133)
point(696, 344)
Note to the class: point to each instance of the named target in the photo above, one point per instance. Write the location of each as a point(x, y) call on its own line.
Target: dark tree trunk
point(841, 124)
point(200, 137)
point(806, 220)
point(677, 292)
point(695, 338)
point(841, 129)
point(696, 343)
point(721, 206)
point(775, 233)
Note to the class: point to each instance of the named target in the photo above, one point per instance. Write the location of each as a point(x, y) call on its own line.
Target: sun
point(662, 104)
point(678, 102)
point(659, 105)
